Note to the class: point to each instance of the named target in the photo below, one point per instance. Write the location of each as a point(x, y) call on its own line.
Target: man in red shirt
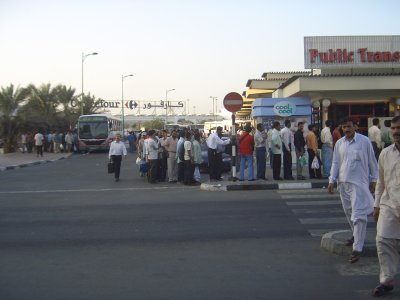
point(246, 145)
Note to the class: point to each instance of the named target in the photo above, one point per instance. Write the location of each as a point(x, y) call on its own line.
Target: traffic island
point(334, 242)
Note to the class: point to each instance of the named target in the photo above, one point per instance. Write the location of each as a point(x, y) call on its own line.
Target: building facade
point(356, 76)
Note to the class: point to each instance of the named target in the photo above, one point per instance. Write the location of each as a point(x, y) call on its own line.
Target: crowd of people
point(51, 142)
point(165, 156)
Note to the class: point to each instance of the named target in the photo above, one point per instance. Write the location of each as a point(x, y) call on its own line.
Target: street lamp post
point(166, 106)
point(214, 111)
point(187, 107)
point(123, 112)
point(83, 59)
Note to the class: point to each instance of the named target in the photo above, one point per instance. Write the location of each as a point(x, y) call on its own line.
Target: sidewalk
point(15, 160)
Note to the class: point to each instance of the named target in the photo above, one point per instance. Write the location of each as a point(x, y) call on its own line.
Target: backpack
point(181, 152)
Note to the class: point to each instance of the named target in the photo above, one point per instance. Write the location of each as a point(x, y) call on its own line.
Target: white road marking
point(323, 210)
point(93, 190)
point(336, 220)
point(305, 203)
point(310, 196)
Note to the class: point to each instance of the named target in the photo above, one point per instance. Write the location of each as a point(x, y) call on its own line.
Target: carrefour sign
point(284, 108)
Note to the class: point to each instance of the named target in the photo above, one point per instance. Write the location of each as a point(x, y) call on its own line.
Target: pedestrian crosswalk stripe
point(310, 196)
point(303, 191)
point(336, 220)
point(310, 203)
point(323, 210)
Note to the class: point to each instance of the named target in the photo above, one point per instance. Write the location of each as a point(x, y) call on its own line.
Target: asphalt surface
point(68, 231)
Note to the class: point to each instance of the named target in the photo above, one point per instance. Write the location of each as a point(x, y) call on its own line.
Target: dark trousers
point(214, 164)
point(314, 173)
point(377, 151)
point(188, 172)
point(181, 171)
point(116, 159)
point(162, 167)
point(260, 157)
point(152, 176)
point(287, 163)
point(39, 150)
point(276, 166)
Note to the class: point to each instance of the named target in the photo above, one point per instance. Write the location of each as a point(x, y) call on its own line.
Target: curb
point(334, 242)
point(257, 187)
point(39, 162)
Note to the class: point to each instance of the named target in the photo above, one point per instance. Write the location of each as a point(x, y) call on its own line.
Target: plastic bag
point(138, 160)
point(303, 161)
point(315, 163)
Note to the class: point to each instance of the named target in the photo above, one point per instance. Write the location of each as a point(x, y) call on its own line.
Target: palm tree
point(11, 101)
point(66, 112)
point(40, 111)
point(89, 105)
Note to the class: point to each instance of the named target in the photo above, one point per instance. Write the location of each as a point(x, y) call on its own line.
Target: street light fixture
point(166, 106)
point(83, 59)
point(123, 113)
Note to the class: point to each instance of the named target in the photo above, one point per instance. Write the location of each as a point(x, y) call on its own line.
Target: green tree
point(41, 108)
point(67, 115)
point(11, 101)
point(89, 105)
point(154, 124)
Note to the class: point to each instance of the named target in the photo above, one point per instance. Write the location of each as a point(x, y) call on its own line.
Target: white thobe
point(374, 134)
point(387, 193)
point(354, 162)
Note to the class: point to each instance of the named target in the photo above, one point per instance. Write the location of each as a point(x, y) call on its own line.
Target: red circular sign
point(233, 102)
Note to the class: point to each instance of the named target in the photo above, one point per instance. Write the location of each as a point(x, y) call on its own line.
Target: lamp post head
point(94, 53)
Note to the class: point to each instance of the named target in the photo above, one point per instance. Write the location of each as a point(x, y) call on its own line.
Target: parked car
point(226, 158)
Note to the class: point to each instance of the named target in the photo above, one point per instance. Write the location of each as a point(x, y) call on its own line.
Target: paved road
point(68, 231)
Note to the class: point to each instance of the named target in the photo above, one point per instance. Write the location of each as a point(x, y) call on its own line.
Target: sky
point(199, 48)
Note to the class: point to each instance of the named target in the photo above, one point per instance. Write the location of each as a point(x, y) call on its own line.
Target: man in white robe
point(387, 212)
point(355, 170)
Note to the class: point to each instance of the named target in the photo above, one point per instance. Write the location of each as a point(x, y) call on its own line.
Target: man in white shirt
point(260, 138)
point(152, 156)
point(355, 170)
point(117, 149)
point(374, 134)
point(327, 148)
point(215, 158)
point(387, 212)
point(39, 143)
point(286, 135)
point(276, 150)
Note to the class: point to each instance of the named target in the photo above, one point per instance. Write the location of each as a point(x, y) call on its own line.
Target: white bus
point(97, 131)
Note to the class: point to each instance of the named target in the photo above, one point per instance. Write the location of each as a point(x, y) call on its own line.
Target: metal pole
point(166, 109)
point(83, 59)
point(123, 112)
point(166, 106)
point(233, 159)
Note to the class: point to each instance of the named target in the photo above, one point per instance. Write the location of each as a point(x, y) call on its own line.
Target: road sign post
point(233, 102)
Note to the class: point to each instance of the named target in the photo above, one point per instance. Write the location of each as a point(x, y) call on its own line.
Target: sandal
point(381, 290)
point(354, 257)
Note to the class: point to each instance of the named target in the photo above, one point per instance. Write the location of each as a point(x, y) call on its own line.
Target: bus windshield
point(91, 130)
